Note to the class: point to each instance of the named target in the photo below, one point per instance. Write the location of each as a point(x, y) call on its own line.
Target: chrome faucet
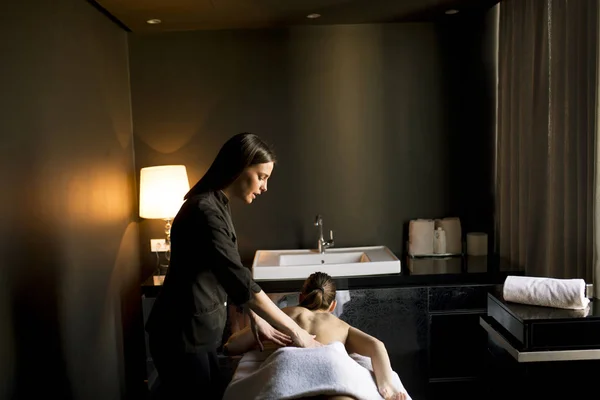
point(322, 244)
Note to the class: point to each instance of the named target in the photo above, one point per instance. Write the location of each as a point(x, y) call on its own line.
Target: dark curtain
point(546, 135)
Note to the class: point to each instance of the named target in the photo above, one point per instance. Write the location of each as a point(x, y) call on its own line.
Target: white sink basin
point(320, 259)
point(337, 262)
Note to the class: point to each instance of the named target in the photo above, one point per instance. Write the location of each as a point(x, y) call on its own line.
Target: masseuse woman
point(188, 318)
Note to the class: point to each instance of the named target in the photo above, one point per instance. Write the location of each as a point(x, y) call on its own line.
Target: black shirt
point(205, 268)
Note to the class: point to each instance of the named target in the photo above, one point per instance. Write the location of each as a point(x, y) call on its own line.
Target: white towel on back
point(547, 292)
point(292, 372)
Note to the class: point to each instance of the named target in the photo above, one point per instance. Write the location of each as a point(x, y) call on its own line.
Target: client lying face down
point(314, 314)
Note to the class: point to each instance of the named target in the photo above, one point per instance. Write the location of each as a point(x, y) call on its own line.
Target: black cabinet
point(458, 298)
point(456, 342)
point(456, 347)
point(506, 378)
point(540, 352)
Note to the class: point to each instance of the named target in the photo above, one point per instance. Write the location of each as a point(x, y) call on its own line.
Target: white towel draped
point(292, 372)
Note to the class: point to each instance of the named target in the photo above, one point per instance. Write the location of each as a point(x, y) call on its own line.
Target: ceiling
point(186, 15)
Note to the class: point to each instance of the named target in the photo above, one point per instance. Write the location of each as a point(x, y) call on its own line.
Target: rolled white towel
point(546, 292)
point(420, 237)
point(526, 311)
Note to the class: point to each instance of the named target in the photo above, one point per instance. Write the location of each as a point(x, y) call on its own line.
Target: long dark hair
point(240, 151)
point(318, 291)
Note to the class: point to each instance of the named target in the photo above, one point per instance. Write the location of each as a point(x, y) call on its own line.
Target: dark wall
point(362, 118)
point(69, 276)
point(469, 53)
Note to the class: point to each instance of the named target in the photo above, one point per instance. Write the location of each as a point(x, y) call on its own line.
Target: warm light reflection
point(95, 195)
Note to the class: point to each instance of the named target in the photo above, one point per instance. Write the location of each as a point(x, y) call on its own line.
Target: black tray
point(545, 328)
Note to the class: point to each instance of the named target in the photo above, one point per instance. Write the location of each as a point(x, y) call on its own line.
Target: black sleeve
point(235, 278)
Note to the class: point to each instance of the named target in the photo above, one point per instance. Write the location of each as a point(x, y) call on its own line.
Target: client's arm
point(240, 342)
point(369, 346)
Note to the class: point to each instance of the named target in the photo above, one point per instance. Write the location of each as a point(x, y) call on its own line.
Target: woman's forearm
point(262, 305)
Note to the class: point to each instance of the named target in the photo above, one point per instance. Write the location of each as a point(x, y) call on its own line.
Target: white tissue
point(546, 292)
point(420, 237)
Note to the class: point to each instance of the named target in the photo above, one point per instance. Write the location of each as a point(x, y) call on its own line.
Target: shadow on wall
point(72, 341)
point(124, 288)
point(39, 363)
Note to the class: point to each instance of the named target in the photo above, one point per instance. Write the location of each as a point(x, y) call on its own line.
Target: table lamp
point(161, 193)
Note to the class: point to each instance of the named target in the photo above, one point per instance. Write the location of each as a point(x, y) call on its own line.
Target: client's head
point(318, 293)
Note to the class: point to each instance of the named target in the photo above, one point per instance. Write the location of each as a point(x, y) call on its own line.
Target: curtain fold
point(546, 136)
point(596, 206)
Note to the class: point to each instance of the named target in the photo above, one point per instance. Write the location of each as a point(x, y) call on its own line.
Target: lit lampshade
point(161, 193)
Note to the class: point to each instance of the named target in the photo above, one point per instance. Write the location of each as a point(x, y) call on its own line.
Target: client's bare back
point(326, 326)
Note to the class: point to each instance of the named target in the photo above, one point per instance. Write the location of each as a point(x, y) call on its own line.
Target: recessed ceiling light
point(451, 11)
point(154, 21)
point(313, 16)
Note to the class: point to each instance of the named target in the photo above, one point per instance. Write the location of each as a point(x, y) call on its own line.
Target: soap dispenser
point(439, 241)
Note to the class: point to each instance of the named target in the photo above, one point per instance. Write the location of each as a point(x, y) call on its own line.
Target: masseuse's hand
point(389, 393)
point(305, 339)
point(262, 330)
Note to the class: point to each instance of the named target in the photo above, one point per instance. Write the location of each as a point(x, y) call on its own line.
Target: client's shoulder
point(295, 311)
point(302, 312)
point(330, 318)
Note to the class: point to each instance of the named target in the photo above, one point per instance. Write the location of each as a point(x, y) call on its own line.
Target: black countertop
point(430, 271)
